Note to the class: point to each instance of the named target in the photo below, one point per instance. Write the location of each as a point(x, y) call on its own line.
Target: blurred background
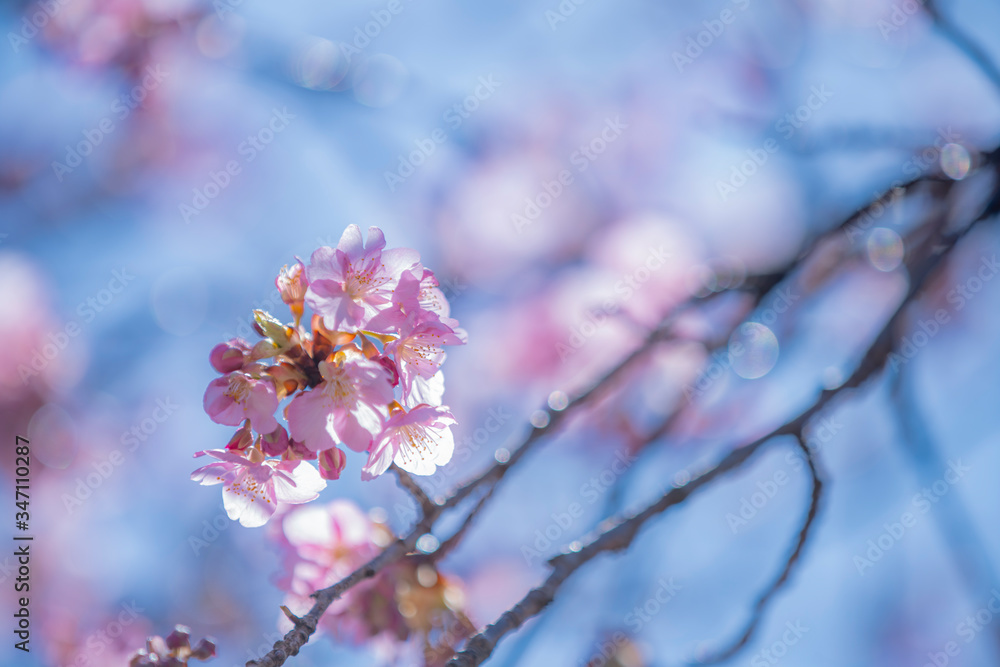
point(570, 170)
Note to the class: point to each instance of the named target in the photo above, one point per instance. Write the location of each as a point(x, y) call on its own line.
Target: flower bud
point(242, 439)
point(275, 444)
point(292, 284)
point(229, 356)
point(203, 650)
point(331, 463)
point(179, 637)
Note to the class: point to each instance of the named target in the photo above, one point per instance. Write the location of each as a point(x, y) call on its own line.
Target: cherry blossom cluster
point(321, 544)
point(174, 650)
point(364, 375)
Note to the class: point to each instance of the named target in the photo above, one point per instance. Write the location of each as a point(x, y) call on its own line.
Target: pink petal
point(351, 244)
point(309, 419)
point(378, 461)
point(304, 485)
point(250, 500)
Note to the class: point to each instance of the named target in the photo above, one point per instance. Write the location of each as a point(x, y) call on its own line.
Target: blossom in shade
point(237, 396)
point(349, 284)
point(346, 407)
point(320, 545)
point(417, 441)
point(174, 650)
point(253, 486)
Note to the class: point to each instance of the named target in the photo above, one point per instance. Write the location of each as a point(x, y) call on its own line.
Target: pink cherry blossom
point(418, 351)
point(430, 297)
point(252, 487)
point(351, 283)
point(415, 298)
point(347, 407)
point(418, 441)
point(237, 396)
point(320, 545)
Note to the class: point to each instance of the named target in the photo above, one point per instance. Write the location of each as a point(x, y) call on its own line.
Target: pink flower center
point(359, 284)
point(417, 441)
point(339, 387)
point(239, 387)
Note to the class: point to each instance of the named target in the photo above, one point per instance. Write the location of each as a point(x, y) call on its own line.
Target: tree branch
point(924, 258)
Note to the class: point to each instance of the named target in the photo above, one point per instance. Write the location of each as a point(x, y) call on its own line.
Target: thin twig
point(407, 482)
point(760, 606)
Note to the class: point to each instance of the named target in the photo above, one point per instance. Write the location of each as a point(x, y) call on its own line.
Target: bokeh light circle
point(955, 161)
point(753, 349)
point(380, 81)
point(320, 65)
point(885, 249)
point(539, 419)
point(52, 433)
point(558, 400)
